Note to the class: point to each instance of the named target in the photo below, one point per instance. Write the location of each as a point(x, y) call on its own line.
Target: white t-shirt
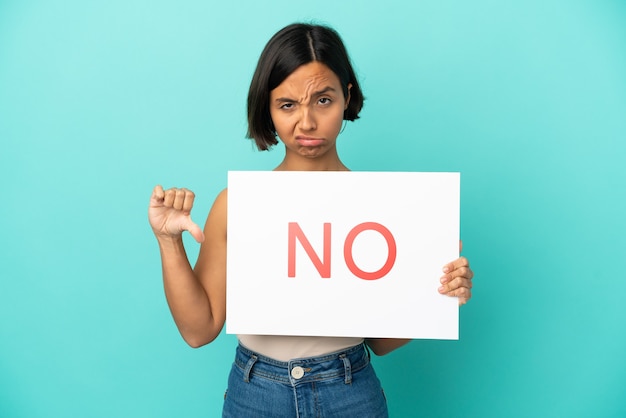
point(285, 348)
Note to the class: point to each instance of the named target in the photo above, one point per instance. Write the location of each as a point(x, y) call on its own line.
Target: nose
point(307, 119)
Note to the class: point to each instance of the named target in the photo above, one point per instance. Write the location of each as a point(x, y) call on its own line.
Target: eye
point(286, 106)
point(324, 101)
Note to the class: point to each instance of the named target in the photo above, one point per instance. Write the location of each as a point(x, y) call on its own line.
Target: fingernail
point(441, 289)
point(446, 269)
point(443, 280)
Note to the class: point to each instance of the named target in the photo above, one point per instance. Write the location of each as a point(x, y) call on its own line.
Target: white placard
point(342, 229)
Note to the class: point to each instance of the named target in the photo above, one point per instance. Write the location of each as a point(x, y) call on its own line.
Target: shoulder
point(219, 211)
point(222, 198)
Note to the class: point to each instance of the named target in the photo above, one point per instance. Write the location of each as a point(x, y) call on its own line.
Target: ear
point(348, 97)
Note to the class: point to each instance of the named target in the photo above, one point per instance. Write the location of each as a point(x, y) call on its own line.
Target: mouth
point(308, 141)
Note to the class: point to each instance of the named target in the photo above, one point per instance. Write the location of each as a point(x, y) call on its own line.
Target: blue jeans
point(341, 384)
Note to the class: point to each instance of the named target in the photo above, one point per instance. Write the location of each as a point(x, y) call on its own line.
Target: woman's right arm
point(196, 297)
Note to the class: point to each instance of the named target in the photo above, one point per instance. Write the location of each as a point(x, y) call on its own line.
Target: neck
point(300, 163)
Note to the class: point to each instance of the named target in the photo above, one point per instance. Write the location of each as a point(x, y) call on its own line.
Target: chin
point(312, 152)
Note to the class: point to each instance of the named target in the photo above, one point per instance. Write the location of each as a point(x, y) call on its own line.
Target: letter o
point(391, 256)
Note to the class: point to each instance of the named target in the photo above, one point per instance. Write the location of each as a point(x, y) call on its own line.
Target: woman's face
point(307, 110)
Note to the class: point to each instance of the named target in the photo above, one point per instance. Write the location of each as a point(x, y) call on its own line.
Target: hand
point(169, 213)
point(457, 279)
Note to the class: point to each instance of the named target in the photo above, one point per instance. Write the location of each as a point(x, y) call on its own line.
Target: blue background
point(101, 100)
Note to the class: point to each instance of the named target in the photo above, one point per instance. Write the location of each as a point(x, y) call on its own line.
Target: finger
point(459, 262)
point(460, 246)
point(463, 294)
point(179, 199)
point(467, 295)
point(170, 195)
point(465, 272)
point(195, 231)
point(188, 202)
point(454, 285)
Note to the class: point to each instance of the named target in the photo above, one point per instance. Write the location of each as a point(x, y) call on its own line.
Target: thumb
point(194, 230)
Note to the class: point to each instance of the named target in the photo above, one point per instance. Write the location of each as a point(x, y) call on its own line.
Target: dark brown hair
point(288, 49)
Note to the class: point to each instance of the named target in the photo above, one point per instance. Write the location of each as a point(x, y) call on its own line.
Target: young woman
point(303, 89)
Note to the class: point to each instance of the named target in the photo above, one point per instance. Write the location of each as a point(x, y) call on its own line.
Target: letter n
point(295, 232)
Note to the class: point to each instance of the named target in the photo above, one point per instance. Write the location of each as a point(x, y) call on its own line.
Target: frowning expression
point(307, 110)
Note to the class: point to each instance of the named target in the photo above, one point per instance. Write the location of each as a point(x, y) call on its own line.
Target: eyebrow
point(315, 94)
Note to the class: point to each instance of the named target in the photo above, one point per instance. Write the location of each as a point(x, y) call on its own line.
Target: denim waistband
point(341, 363)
